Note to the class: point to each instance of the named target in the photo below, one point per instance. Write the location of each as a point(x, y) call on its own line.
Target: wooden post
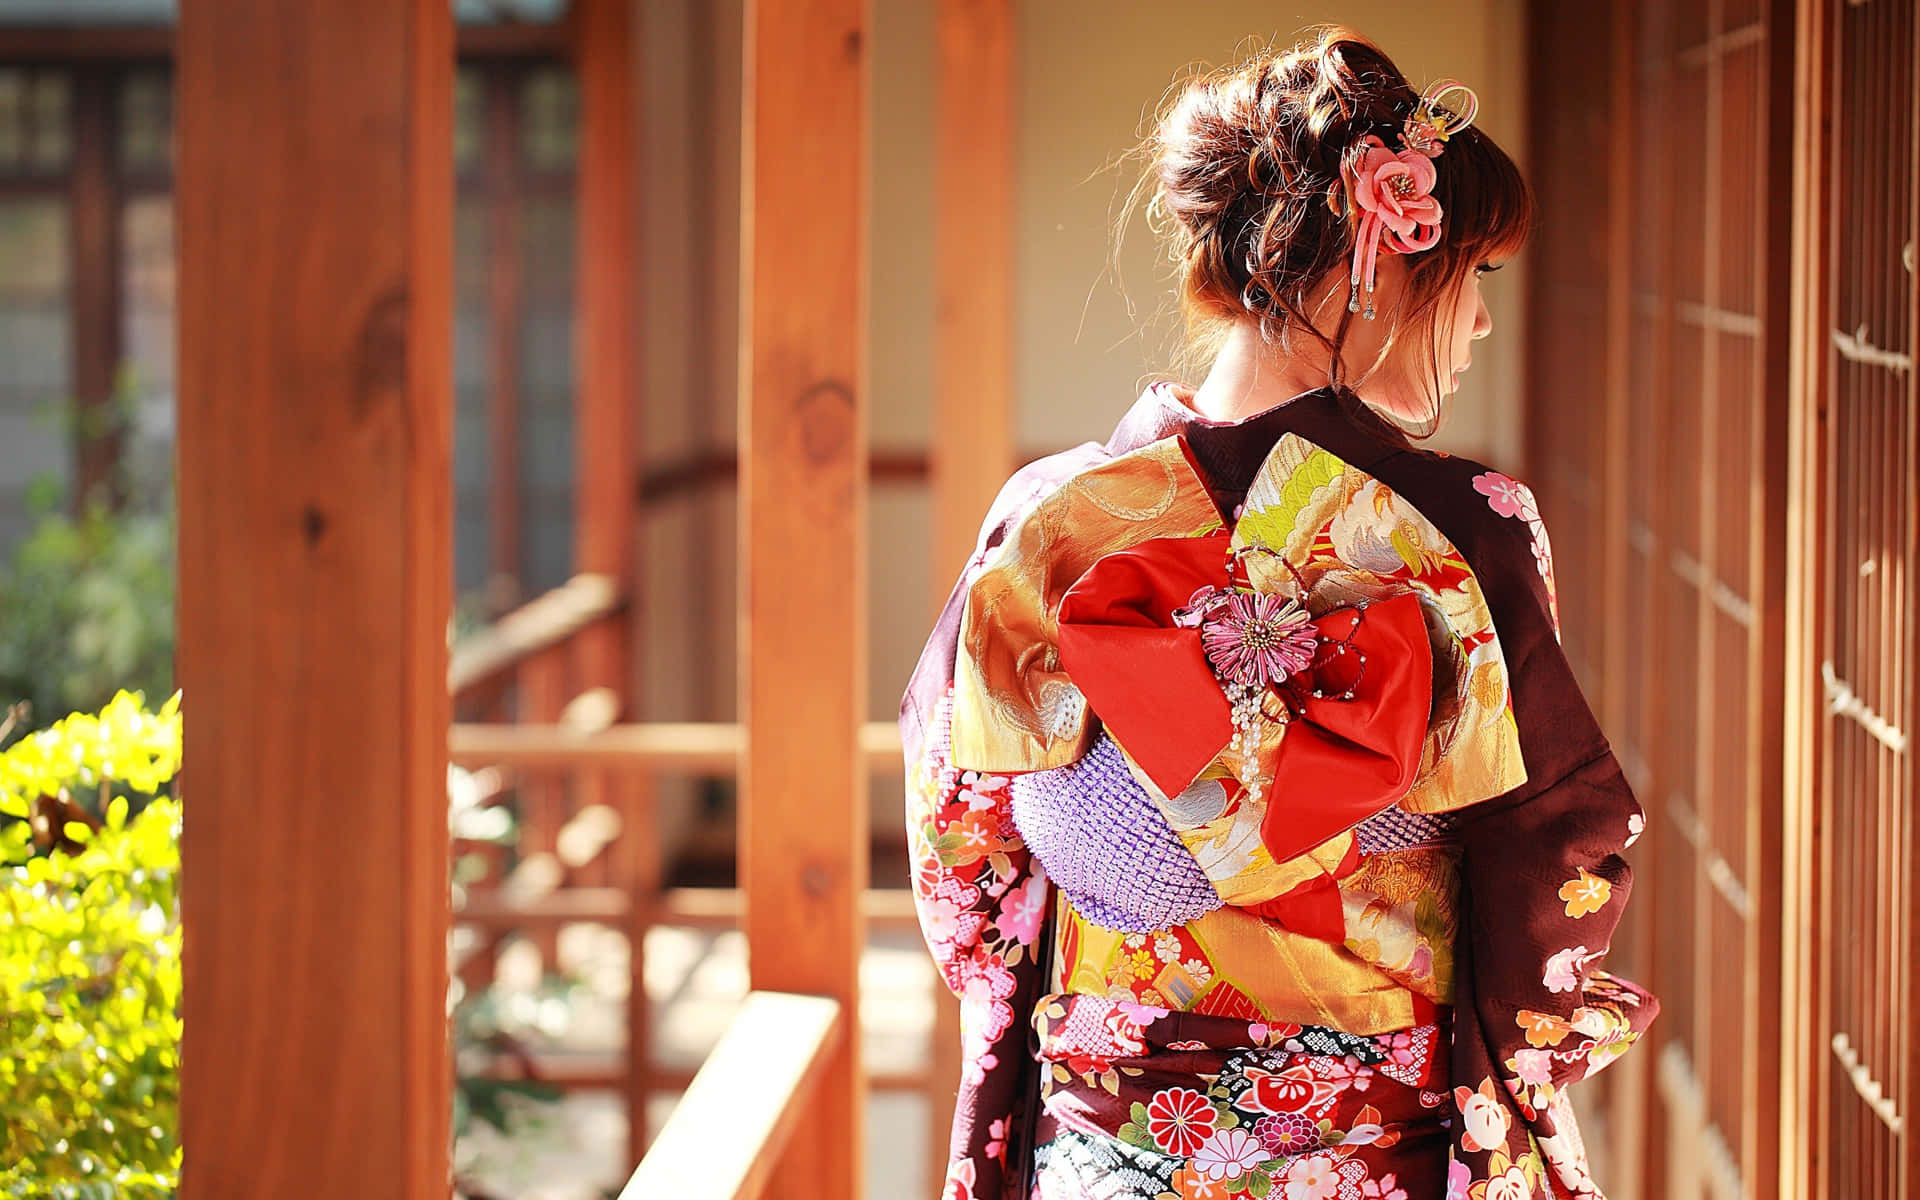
point(607, 372)
point(506, 306)
point(803, 533)
point(972, 449)
point(607, 395)
point(972, 446)
point(315, 372)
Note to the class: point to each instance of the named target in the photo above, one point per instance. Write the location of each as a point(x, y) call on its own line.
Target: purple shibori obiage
point(1101, 839)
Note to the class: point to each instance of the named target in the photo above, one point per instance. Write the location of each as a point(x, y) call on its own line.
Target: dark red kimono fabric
point(1573, 807)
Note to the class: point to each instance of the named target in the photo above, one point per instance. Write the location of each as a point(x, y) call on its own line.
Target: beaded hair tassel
point(1391, 190)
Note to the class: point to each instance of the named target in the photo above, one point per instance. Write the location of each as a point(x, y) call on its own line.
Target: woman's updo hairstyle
point(1241, 165)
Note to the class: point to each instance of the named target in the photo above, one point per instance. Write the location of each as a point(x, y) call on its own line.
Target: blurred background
point(1703, 367)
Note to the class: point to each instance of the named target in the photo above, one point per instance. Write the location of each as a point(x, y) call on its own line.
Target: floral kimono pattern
point(1174, 985)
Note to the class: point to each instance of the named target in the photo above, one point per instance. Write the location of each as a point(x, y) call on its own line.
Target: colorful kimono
point(1336, 937)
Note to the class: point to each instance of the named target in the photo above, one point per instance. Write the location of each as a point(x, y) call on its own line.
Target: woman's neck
point(1249, 376)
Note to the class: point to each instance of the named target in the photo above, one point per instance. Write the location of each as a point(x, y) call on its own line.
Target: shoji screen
point(1854, 837)
point(1657, 444)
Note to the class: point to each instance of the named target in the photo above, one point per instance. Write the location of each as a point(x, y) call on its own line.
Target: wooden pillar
point(607, 395)
point(972, 449)
point(315, 379)
point(803, 533)
point(95, 253)
point(506, 304)
point(607, 370)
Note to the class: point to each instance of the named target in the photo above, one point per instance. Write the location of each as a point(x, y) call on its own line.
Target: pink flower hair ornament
point(1390, 191)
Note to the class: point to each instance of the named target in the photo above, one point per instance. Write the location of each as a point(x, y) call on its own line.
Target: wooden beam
point(774, 1063)
point(704, 747)
point(315, 450)
point(22, 43)
point(690, 908)
point(973, 274)
point(803, 532)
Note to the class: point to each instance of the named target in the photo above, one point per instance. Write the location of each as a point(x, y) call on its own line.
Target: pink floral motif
point(1261, 639)
point(1533, 1066)
point(996, 1148)
point(1458, 1179)
point(1387, 1187)
point(1563, 969)
point(1509, 497)
point(1180, 1120)
point(1229, 1154)
point(1288, 1133)
point(1140, 1015)
point(1024, 908)
point(983, 983)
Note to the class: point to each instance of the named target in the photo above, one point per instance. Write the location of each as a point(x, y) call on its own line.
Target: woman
point(1259, 823)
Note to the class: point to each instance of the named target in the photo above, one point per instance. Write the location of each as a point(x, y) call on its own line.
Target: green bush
point(89, 611)
point(90, 956)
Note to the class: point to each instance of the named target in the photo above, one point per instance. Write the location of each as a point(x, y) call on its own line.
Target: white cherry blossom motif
point(1312, 1177)
point(1636, 825)
point(1229, 1154)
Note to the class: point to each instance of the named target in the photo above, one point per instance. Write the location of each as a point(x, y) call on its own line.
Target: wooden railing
point(540, 741)
point(747, 1097)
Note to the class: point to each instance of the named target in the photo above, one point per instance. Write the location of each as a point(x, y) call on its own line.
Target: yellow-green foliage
point(90, 960)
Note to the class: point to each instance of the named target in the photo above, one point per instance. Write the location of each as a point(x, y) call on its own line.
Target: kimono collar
point(1229, 453)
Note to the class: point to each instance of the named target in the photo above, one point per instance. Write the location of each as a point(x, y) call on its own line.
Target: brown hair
point(1241, 164)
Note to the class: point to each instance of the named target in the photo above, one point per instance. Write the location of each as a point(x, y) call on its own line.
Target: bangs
point(1489, 209)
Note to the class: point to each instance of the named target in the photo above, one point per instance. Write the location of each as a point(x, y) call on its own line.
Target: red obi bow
point(1149, 681)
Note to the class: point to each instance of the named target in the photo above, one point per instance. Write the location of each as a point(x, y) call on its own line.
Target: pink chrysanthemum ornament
point(1259, 639)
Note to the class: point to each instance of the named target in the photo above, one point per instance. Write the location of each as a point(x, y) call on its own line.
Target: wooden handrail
point(747, 1097)
point(713, 747)
point(684, 908)
point(540, 624)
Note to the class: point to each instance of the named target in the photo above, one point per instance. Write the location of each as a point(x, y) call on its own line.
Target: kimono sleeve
point(1544, 885)
point(981, 899)
point(980, 896)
